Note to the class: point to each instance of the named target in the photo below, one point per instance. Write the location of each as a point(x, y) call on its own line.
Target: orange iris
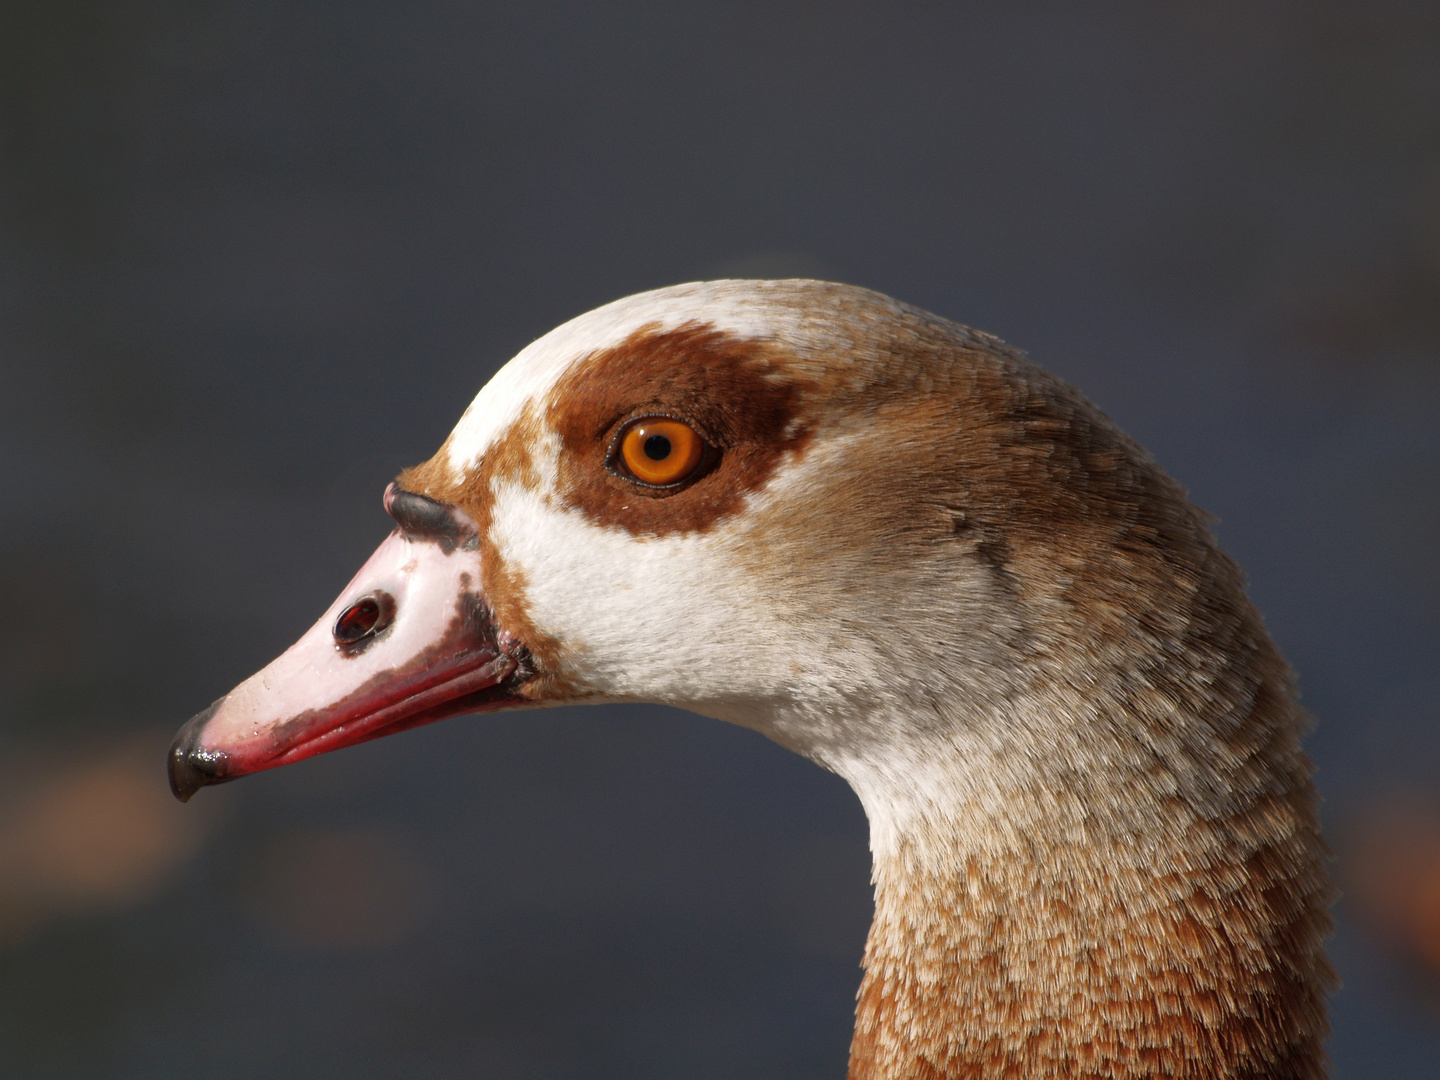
point(661, 451)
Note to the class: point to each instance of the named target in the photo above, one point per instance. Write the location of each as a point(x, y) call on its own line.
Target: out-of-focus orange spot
point(82, 834)
point(341, 890)
point(1390, 867)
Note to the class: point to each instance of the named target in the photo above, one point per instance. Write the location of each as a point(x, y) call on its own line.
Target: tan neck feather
point(1193, 956)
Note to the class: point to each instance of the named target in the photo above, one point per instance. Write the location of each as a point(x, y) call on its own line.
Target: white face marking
point(680, 620)
point(675, 619)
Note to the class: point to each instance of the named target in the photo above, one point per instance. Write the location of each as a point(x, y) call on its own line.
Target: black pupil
point(657, 447)
point(357, 621)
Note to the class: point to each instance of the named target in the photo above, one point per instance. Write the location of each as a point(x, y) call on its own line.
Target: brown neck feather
point(1060, 962)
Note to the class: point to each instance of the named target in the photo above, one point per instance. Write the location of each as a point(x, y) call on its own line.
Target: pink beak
point(410, 641)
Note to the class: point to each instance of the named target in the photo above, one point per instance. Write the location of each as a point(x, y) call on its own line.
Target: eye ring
point(658, 452)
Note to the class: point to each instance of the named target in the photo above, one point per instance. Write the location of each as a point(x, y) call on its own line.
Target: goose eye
point(660, 451)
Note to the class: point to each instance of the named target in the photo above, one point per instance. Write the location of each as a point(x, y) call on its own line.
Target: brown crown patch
point(728, 389)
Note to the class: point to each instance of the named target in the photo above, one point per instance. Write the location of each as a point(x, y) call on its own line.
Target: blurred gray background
point(255, 258)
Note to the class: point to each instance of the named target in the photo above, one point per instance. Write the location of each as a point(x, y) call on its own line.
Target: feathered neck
point(1118, 873)
point(1123, 960)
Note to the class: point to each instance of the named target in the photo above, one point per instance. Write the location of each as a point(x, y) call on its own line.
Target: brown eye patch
point(729, 391)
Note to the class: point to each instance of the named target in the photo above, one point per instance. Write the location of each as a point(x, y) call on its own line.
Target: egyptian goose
point(895, 546)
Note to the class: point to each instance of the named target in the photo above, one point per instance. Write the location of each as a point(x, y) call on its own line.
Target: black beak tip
point(191, 768)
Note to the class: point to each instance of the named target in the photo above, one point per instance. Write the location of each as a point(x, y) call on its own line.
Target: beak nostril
point(356, 621)
point(363, 619)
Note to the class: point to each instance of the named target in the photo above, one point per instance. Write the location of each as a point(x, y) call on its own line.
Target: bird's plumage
point(925, 564)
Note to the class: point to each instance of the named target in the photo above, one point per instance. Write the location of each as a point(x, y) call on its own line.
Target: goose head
point(893, 545)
